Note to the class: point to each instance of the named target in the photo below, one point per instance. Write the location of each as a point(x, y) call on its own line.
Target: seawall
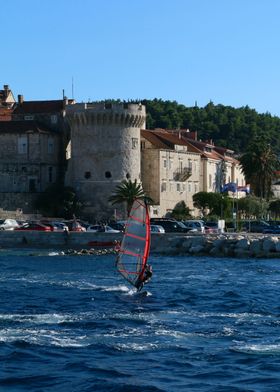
point(216, 245)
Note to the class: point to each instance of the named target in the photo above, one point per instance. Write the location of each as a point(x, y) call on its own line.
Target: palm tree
point(258, 165)
point(127, 192)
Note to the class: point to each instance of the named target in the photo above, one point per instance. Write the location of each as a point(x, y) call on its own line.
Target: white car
point(8, 224)
point(157, 229)
point(101, 229)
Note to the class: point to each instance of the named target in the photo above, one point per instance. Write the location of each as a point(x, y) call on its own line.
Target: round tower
point(104, 150)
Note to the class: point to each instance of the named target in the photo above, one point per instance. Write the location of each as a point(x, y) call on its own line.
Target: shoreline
point(251, 245)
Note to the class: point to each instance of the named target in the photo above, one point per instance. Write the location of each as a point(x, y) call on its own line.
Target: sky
point(188, 51)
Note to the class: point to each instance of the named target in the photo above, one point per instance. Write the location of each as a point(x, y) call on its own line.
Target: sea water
point(71, 323)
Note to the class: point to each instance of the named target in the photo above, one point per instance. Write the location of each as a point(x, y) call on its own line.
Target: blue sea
point(71, 323)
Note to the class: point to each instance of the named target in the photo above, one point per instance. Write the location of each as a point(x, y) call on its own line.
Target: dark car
point(255, 226)
point(170, 225)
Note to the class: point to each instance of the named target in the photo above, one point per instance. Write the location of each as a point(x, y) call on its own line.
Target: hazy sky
point(226, 51)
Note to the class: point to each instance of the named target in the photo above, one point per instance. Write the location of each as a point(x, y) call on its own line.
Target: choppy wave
point(206, 328)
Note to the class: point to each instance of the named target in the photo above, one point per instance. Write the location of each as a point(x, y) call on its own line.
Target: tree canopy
point(259, 164)
point(59, 201)
point(127, 192)
point(228, 126)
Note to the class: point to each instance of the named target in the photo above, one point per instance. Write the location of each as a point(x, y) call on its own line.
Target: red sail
point(135, 246)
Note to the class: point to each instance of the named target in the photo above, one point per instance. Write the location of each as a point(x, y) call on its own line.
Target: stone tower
point(104, 150)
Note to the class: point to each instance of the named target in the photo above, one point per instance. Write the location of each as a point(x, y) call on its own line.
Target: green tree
point(211, 203)
point(58, 201)
point(274, 208)
point(180, 211)
point(127, 192)
point(252, 207)
point(259, 164)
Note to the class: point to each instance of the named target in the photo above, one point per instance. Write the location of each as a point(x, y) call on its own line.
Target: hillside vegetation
point(226, 126)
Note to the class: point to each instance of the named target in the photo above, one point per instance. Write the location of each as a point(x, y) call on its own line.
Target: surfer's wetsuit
point(148, 273)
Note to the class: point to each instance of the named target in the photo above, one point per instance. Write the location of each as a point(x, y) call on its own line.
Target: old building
point(170, 170)
point(29, 162)
point(7, 102)
point(218, 164)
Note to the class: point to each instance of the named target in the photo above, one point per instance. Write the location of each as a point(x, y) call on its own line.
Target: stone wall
point(223, 245)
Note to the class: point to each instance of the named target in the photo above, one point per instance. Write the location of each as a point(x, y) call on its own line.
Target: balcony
point(182, 174)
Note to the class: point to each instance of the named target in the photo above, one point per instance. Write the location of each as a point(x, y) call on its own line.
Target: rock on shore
point(220, 245)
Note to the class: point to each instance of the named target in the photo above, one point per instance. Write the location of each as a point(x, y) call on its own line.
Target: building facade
point(170, 171)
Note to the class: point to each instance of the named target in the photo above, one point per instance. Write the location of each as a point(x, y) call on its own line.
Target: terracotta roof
point(5, 114)
point(154, 139)
point(166, 139)
point(22, 127)
point(39, 107)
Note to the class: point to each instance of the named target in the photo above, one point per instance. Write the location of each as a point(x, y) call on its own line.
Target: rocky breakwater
point(220, 245)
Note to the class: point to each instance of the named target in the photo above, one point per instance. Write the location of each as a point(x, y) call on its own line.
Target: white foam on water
point(43, 337)
point(52, 318)
point(260, 348)
point(174, 334)
point(121, 288)
point(136, 346)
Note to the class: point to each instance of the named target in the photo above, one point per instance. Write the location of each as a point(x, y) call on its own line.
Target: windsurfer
point(144, 278)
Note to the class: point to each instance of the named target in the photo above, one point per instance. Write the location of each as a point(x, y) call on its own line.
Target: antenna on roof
point(72, 87)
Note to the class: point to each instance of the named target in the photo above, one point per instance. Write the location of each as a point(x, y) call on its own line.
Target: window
point(50, 170)
point(22, 145)
point(54, 119)
point(108, 174)
point(32, 185)
point(87, 175)
point(50, 145)
point(180, 166)
point(134, 143)
point(190, 187)
point(178, 188)
point(210, 181)
point(128, 176)
point(163, 187)
point(29, 117)
point(164, 163)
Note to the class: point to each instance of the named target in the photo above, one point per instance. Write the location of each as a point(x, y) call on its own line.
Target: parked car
point(117, 226)
point(59, 226)
point(211, 227)
point(255, 226)
point(102, 229)
point(157, 229)
point(34, 226)
point(8, 224)
point(195, 225)
point(74, 225)
point(170, 225)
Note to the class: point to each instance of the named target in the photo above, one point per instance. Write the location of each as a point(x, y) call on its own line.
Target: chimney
point(20, 99)
point(6, 87)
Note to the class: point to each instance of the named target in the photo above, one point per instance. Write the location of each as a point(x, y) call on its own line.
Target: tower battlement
point(125, 114)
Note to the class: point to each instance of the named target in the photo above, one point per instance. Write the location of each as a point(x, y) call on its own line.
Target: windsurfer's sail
point(135, 246)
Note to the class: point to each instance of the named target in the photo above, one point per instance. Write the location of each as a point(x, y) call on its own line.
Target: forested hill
point(226, 126)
